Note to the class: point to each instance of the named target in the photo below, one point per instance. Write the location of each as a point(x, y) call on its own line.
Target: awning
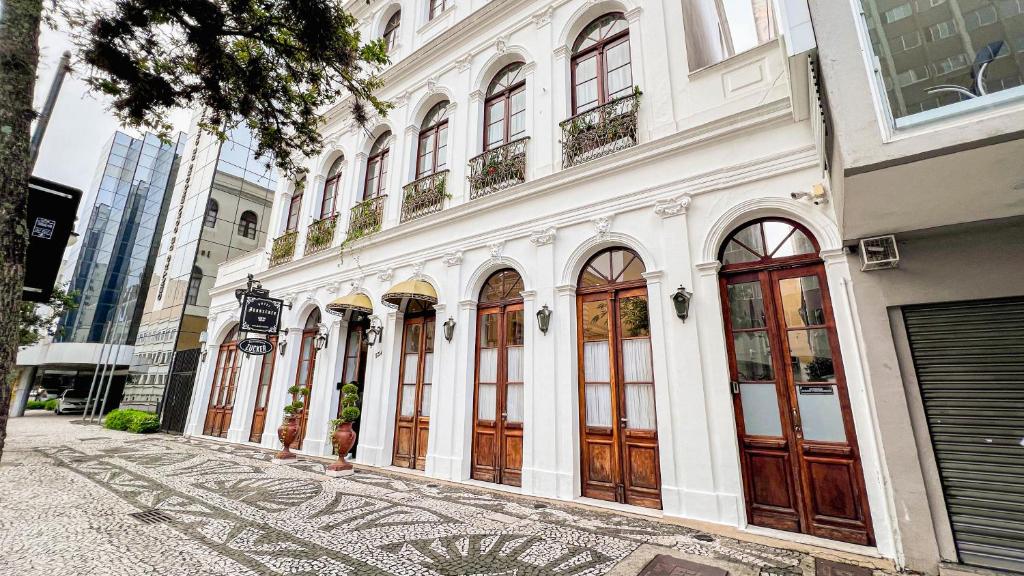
point(345, 305)
point(403, 292)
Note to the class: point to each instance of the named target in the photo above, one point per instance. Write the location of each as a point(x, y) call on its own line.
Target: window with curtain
point(212, 208)
point(601, 65)
point(194, 282)
point(718, 29)
point(432, 151)
point(294, 208)
point(332, 186)
point(391, 29)
point(505, 107)
point(247, 224)
point(377, 167)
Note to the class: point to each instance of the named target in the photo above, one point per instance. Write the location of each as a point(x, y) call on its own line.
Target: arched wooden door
point(259, 412)
point(618, 428)
point(498, 400)
point(305, 370)
point(222, 393)
point(412, 422)
point(354, 369)
point(798, 448)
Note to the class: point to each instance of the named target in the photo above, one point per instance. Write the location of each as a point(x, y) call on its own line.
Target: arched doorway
point(798, 447)
point(354, 369)
point(266, 381)
point(222, 392)
point(618, 428)
point(415, 377)
point(305, 370)
point(498, 399)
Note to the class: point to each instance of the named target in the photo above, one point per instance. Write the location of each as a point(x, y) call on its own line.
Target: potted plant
point(289, 429)
point(341, 429)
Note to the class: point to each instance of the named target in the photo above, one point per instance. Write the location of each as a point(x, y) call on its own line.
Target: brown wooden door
point(801, 467)
point(498, 404)
point(304, 377)
point(412, 422)
point(354, 370)
point(259, 412)
point(222, 393)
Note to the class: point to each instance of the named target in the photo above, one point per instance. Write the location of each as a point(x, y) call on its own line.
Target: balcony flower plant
point(341, 429)
point(289, 429)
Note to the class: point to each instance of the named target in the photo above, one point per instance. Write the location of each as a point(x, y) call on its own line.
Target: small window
point(332, 186)
point(247, 225)
point(391, 29)
point(432, 151)
point(377, 167)
point(898, 13)
point(194, 282)
point(438, 6)
point(295, 207)
point(211, 213)
point(717, 30)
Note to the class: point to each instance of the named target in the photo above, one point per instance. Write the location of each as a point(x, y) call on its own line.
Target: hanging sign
point(51, 218)
point(260, 314)
point(256, 346)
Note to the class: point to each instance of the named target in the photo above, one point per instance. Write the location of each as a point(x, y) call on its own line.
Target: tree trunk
point(19, 57)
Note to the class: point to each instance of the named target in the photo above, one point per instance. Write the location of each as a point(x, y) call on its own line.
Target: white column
point(567, 427)
point(464, 380)
point(541, 418)
point(20, 396)
point(285, 368)
point(441, 412)
point(201, 392)
point(305, 216)
point(461, 135)
point(245, 395)
point(323, 397)
point(560, 102)
point(377, 424)
point(542, 116)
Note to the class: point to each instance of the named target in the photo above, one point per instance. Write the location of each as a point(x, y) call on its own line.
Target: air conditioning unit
point(879, 253)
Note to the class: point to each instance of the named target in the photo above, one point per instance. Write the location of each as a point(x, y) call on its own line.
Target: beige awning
point(404, 292)
point(351, 303)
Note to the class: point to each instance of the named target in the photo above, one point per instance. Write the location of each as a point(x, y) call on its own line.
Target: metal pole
point(51, 100)
point(96, 372)
point(103, 374)
point(110, 378)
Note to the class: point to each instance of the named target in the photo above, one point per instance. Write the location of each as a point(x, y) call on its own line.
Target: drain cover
point(433, 486)
point(703, 537)
point(152, 516)
point(540, 506)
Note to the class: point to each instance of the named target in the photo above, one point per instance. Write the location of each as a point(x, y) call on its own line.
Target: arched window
point(391, 29)
point(295, 207)
point(432, 152)
point(438, 6)
point(377, 167)
point(505, 107)
point(306, 368)
point(331, 188)
point(247, 225)
point(764, 242)
point(194, 282)
point(601, 69)
point(211, 213)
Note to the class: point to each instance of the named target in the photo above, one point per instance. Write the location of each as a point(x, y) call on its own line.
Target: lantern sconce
point(374, 332)
point(681, 300)
point(203, 337)
point(544, 319)
point(283, 342)
point(449, 328)
point(321, 337)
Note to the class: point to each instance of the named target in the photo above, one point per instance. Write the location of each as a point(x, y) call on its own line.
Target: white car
point(70, 401)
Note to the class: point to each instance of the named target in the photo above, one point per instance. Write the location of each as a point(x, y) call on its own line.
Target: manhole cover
point(704, 537)
point(830, 568)
point(152, 517)
point(664, 565)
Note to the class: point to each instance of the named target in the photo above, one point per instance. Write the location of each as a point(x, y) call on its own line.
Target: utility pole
point(51, 101)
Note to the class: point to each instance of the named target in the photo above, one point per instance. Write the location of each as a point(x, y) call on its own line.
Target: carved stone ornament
point(432, 84)
point(543, 236)
point(462, 64)
point(385, 275)
point(602, 225)
point(417, 269)
point(501, 44)
point(543, 17)
point(495, 248)
point(452, 258)
point(672, 207)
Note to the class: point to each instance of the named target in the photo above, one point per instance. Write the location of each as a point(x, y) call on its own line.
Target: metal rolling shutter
point(969, 358)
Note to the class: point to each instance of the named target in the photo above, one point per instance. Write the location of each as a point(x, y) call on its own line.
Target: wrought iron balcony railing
point(283, 249)
point(425, 196)
point(600, 131)
point(498, 168)
point(367, 217)
point(320, 234)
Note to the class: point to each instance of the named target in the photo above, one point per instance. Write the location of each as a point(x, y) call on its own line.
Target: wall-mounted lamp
point(374, 332)
point(320, 342)
point(203, 338)
point(283, 342)
point(681, 300)
point(544, 318)
point(449, 328)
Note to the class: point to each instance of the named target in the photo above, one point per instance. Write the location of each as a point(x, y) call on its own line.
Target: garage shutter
point(969, 359)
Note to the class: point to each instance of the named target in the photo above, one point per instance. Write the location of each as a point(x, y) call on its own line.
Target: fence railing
point(283, 249)
point(498, 168)
point(425, 196)
point(600, 131)
point(320, 234)
point(367, 217)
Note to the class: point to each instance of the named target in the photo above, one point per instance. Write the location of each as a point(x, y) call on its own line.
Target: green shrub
point(50, 404)
point(35, 405)
point(132, 421)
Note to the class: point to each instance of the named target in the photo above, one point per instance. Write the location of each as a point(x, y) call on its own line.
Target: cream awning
point(351, 303)
point(409, 290)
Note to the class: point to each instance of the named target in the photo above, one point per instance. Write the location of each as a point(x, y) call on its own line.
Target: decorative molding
point(561, 53)
point(463, 64)
point(543, 18)
point(673, 206)
point(708, 268)
point(467, 305)
point(386, 275)
point(476, 96)
point(417, 269)
point(543, 236)
point(653, 276)
point(501, 44)
point(452, 258)
point(565, 289)
point(528, 294)
point(602, 225)
point(834, 255)
point(401, 100)
point(633, 15)
point(495, 249)
point(432, 84)
point(333, 287)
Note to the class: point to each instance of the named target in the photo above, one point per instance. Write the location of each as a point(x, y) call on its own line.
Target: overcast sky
point(80, 125)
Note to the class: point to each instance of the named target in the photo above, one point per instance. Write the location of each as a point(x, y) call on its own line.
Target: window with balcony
point(716, 30)
point(601, 66)
point(377, 167)
point(332, 187)
point(212, 208)
point(391, 29)
point(426, 194)
point(503, 162)
point(247, 224)
point(294, 208)
point(967, 56)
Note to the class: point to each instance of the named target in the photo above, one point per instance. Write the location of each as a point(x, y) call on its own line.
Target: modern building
point(598, 251)
point(114, 258)
point(220, 209)
point(927, 176)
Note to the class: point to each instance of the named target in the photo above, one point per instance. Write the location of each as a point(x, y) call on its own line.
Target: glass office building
point(120, 241)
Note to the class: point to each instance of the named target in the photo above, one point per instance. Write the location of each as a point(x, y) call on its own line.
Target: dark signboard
point(51, 218)
point(260, 314)
point(257, 346)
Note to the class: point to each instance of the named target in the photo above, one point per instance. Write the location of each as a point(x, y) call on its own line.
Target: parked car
point(70, 401)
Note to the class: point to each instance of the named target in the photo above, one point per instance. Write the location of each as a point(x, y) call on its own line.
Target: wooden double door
point(222, 393)
point(800, 460)
point(498, 404)
point(354, 370)
point(412, 421)
point(259, 412)
point(304, 377)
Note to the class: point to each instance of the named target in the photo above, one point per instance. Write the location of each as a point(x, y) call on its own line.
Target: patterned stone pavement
point(67, 492)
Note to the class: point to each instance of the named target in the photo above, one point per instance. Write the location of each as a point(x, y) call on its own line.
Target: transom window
point(502, 286)
point(377, 167)
point(247, 225)
point(331, 188)
point(432, 154)
point(505, 107)
point(614, 266)
point(765, 241)
point(601, 68)
point(391, 29)
point(211, 213)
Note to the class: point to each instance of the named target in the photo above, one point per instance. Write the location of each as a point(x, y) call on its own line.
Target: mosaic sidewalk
point(68, 492)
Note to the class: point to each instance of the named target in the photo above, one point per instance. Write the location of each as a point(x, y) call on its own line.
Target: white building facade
point(701, 356)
